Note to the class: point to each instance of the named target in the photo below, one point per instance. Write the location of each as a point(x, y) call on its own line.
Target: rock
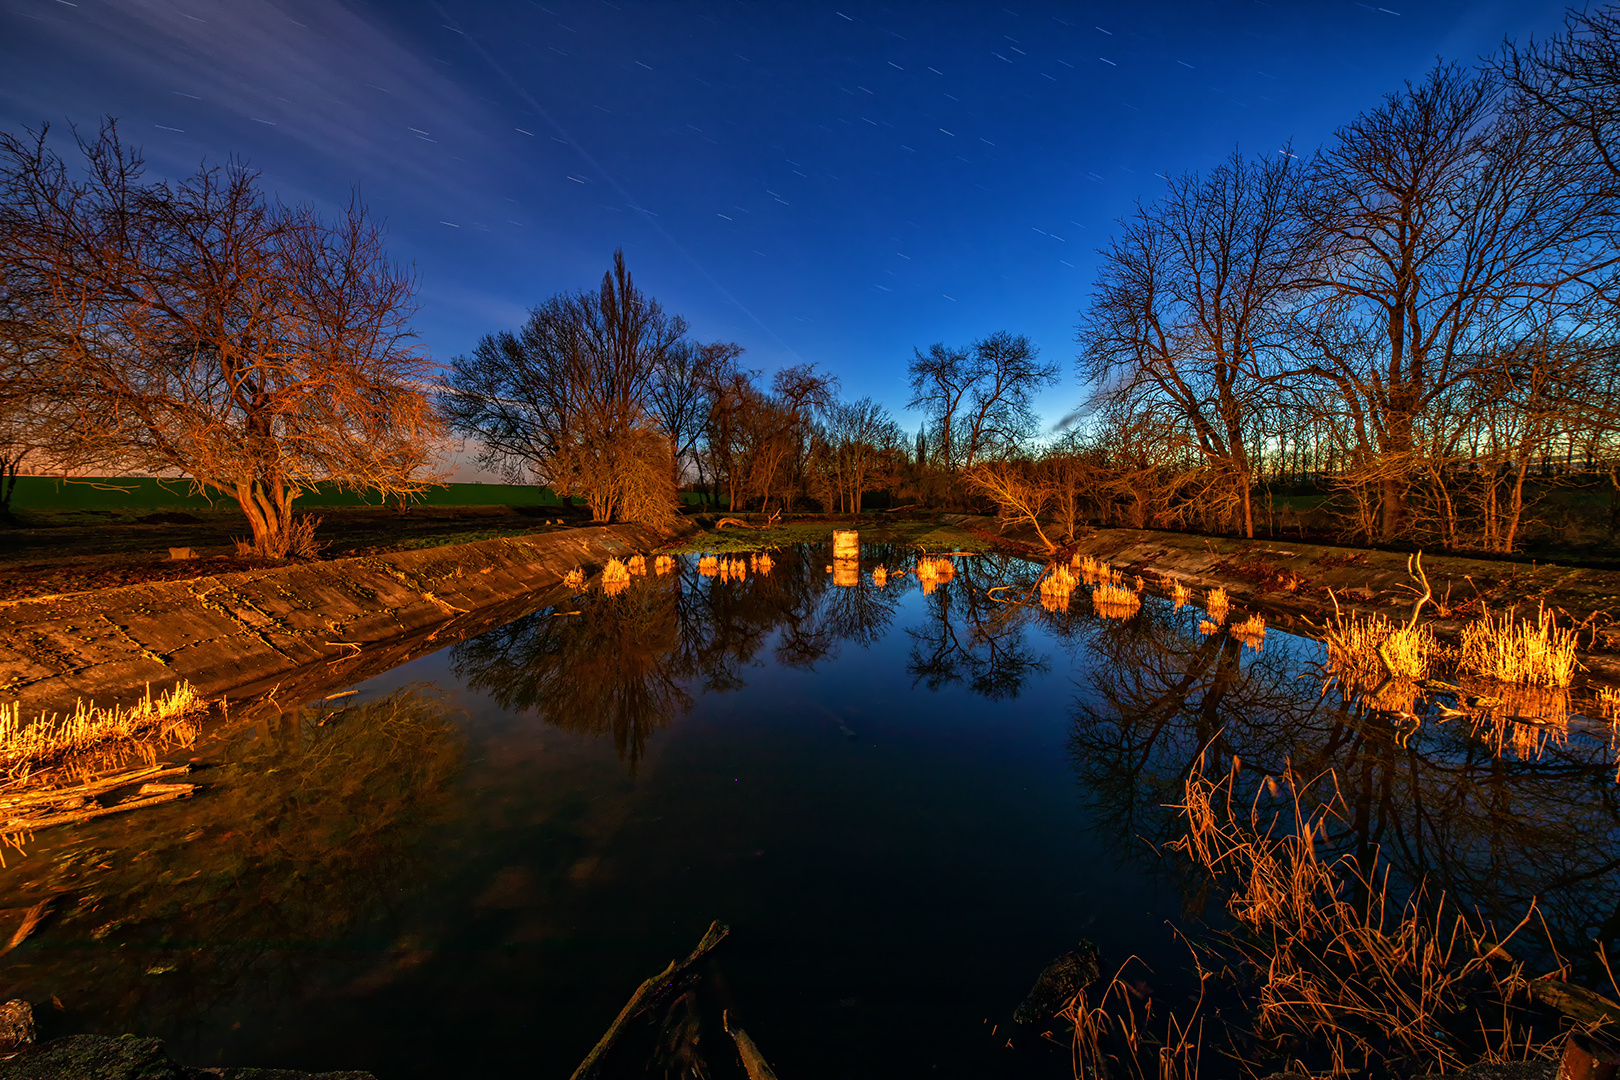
point(1063, 978)
point(16, 1026)
point(102, 1057)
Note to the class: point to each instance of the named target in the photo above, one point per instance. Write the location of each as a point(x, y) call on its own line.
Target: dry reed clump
point(1364, 981)
point(1114, 601)
point(1608, 702)
point(1521, 652)
point(1365, 648)
point(880, 577)
point(663, 564)
point(1093, 571)
point(1207, 627)
point(1057, 584)
point(168, 720)
point(615, 573)
point(637, 564)
point(1180, 594)
point(1251, 631)
point(762, 562)
point(933, 571)
point(1216, 604)
point(575, 578)
point(708, 566)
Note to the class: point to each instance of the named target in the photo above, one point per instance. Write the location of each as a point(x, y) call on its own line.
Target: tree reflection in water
point(969, 637)
point(620, 665)
point(303, 833)
point(1492, 831)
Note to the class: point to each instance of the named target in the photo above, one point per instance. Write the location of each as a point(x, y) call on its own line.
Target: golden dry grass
point(1207, 627)
point(1115, 601)
point(1251, 631)
point(1541, 653)
point(1368, 981)
point(1216, 604)
point(663, 564)
point(575, 578)
point(880, 577)
point(762, 562)
point(636, 564)
point(1180, 593)
point(1093, 571)
point(934, 571)
point(615, 573)
point(149, 724)
point(1365, 648)
point(708, 566)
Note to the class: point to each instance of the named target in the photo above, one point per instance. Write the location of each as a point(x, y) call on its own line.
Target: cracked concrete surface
point(302, 627)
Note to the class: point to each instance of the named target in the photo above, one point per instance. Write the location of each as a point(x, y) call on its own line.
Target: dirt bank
point(305, 626)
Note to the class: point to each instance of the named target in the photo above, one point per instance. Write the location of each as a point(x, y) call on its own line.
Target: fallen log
point(646, 994)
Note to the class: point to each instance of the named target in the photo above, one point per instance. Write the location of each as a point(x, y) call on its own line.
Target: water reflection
point(969, 636)
point(301, 833)
point(624, 664)
point(1433, 801)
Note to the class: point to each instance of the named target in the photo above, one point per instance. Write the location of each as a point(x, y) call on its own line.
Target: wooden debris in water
point(846, 573)
point(846, 544)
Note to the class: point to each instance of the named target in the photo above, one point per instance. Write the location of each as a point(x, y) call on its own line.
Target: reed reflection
point(1432, 801)
point(971, 637)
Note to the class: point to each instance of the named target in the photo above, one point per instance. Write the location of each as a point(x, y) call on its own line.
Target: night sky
point(834, 183)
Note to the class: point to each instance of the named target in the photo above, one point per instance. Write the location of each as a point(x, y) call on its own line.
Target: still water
point(904, 803)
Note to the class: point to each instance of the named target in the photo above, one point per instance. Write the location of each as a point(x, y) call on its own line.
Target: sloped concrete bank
point(1289, 581)
point(301, 628)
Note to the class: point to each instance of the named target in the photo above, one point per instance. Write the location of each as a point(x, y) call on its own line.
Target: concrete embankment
point(304, 627)
point(1290, 581)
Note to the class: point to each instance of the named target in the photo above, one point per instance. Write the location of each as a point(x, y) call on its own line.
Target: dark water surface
point(902, 804)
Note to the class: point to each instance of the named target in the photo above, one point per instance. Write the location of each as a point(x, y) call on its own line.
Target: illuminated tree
point(197, 328)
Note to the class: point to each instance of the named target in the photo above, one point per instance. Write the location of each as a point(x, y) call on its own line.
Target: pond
point(904, 800)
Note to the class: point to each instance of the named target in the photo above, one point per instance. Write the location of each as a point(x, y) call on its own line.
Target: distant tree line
point(1416, 321)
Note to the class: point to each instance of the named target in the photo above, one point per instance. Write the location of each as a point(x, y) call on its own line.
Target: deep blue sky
point(833, 183)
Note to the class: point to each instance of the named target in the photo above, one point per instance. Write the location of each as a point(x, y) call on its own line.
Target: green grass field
point(47, 493)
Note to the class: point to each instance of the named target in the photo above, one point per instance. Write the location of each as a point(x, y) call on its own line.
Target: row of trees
point(1424, 309)
point(1416, 316)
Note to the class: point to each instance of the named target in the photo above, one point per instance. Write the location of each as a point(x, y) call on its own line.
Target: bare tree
point(978, 400)
point(1442, 220)
point(569, 400)
point(1188, 301)
point(861, 438)
point(197, 328)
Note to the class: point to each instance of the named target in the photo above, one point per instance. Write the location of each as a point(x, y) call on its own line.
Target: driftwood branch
point(753, 1061)
point(646, 993)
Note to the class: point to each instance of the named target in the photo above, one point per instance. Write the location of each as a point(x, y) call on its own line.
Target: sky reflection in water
point(876, 788)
